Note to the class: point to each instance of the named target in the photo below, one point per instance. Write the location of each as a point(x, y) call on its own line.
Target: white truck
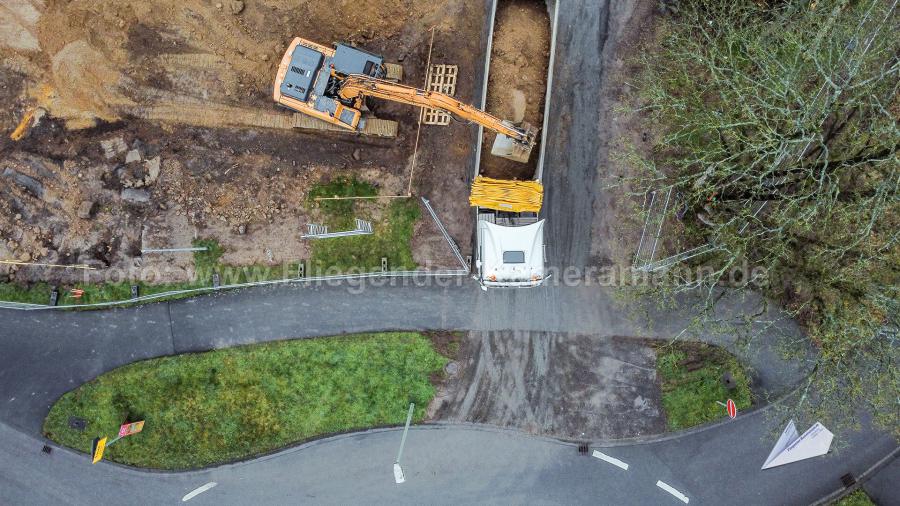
point(509, 249)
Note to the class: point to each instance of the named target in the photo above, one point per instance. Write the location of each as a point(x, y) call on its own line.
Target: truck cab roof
point(511, 256)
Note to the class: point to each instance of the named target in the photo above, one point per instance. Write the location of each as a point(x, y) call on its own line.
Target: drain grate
point(848, 480)
point(441, 78)
point(583, 448)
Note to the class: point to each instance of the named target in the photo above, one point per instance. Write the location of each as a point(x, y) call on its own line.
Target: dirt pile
point(106, 57)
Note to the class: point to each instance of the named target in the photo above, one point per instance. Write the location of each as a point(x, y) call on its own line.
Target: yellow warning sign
point(97, 449)
point(504, 195)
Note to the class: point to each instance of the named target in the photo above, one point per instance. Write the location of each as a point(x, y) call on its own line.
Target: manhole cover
point(452, 368)
point(77, 423)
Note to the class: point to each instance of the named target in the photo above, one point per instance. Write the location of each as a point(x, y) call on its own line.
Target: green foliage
point(857, 498)
point(781, 135)
point(691, 380)
point(339, 213)
point(390, 238)
point(206, 263)
point(207, 408)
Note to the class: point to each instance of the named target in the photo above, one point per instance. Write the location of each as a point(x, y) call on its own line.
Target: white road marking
point(668, 488)
point(612, 460)
point(197, 491)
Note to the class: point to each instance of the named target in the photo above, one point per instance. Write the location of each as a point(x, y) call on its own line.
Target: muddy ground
point(568, 386)
point(517, 80)
point(625, 131)
point(137, 140)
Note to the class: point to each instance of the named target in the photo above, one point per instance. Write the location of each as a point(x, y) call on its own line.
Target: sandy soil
point(95, 71)
point(554, 384)
point(518, 79)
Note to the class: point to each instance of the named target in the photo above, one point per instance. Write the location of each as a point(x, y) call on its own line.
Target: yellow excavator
point(332, 85)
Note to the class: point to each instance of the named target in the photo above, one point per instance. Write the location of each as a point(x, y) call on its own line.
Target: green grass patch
point(690, 376)
point(390, 238)
point(219, 406)
point(206, 263)
point(339, 213)
point(857, 498)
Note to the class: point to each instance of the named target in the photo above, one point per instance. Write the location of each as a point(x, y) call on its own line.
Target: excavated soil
point(145, 131)
point(517, 82)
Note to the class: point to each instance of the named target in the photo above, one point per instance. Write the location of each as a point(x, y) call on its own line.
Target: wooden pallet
point(441, 78)
point(393, 71)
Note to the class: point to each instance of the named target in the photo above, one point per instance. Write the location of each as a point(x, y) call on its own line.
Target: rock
point(133, 156)
point(237, 6)
point(135, 196)
point(242, 229)
point(113, 147)
point(27, 183)
point(357, 154)
point(152, 167)
point(218, 6)
point(85, 210)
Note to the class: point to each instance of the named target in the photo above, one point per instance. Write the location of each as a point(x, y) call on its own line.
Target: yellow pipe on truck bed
point(505, 195)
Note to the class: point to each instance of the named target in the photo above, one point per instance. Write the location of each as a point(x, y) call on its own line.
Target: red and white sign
point(732, 409)
point(128, 429)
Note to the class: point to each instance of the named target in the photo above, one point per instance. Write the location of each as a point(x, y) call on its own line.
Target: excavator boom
point(512, 141)
point(332, 85)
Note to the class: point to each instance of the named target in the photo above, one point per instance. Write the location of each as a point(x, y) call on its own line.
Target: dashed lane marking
point(668, 488)
point(197, 491)
point(612, 460)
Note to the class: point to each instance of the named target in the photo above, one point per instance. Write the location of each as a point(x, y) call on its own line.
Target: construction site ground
point(153, 125)
point(554, 384)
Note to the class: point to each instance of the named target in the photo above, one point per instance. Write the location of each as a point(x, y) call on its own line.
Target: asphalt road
point(453, 465)
point(47, 353)
point(572, 153)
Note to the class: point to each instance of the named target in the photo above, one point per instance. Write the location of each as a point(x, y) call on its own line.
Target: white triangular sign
point(792, 448)
point(789, 435)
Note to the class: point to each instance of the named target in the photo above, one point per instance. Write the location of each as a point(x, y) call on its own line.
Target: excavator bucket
point(515, 150)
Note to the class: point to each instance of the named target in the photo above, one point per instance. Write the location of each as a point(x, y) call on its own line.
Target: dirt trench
point(517, 82)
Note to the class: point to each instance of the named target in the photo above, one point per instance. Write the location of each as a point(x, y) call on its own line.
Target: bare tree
point(782, 136)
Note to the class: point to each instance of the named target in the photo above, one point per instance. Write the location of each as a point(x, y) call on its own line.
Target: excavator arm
point(355, 87)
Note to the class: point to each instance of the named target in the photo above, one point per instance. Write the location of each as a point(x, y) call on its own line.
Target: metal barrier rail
point(437, 221)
